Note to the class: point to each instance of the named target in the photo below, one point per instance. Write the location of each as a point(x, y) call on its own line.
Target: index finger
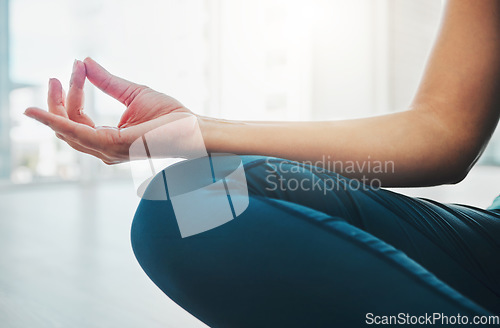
point(122, 90)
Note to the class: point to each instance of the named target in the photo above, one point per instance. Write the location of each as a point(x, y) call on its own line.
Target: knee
point(169, 235)
point(153, 229)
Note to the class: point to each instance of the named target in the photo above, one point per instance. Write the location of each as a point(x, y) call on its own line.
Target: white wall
point(343, 66)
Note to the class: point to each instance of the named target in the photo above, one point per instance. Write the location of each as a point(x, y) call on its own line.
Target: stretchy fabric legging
point(323, 258)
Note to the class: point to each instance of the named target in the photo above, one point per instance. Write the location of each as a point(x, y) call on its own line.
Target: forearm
point(401, 149)
point(453, 114)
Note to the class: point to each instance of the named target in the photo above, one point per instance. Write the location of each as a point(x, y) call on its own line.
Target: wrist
point(222, 136)
point(208, 127)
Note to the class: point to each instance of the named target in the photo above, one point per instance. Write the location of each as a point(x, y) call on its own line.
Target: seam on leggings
point(439, 286)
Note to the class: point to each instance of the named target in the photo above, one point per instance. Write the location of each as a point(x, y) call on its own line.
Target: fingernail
point(51, 81)
point(26, 113)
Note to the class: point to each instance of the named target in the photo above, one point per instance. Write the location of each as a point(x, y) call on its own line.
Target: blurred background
point(65, 255)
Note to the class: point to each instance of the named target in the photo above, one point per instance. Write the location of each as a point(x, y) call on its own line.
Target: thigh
point(281, 264)
point(457, 243)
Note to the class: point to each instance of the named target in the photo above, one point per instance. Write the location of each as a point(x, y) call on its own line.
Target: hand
point(147, 110)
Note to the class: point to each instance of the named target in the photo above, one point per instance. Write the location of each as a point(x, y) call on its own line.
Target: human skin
point(435, 141)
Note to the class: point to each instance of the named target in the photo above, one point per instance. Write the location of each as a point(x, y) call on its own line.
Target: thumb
point(122, 90)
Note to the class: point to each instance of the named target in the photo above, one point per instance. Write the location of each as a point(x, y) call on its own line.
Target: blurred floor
point(66, 261)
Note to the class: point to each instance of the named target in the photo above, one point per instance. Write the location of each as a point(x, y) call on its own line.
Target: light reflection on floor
point(66, 261)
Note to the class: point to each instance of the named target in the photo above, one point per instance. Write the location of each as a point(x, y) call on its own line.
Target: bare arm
point(436, 141)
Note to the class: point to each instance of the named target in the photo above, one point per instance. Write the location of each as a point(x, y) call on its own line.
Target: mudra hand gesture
point(146, 110)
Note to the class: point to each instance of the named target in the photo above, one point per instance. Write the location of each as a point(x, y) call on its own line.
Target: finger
point(64, 97)
point(85, 150)
point(84, 134)
point(55, 99)
point(122, 90)
point(75, 99)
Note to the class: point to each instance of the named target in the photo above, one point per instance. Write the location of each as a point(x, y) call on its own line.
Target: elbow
point(447, 175)
point(441, 172)
point(459, 167)
point(450, 161)
point(458, 176)
point(451, 152)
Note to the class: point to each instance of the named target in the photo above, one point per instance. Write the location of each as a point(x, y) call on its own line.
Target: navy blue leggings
point(311, 257)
